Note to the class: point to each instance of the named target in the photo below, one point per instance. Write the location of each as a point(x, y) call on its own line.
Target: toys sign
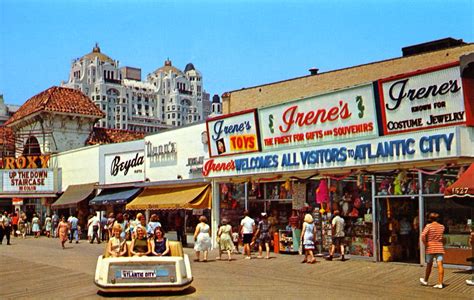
point(233, 134)
point(338, 116)
point(427, 99)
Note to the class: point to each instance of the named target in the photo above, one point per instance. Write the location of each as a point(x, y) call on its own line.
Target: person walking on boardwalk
point(225, 239)
point(338, 235)
point(247, 228)
point(308, 234)
point(432, 238)
point(36, 226)
point(62, 230)
point(263, 236)
point(202, 238)
point(73, 221)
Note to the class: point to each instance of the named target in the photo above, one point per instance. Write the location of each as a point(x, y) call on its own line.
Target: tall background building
point(169, 97)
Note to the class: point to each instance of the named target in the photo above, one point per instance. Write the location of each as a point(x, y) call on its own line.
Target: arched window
point(31, 147)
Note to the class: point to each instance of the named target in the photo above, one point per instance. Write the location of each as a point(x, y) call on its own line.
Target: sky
point(234, 44)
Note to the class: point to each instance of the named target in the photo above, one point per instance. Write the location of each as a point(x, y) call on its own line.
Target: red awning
point(464, 186)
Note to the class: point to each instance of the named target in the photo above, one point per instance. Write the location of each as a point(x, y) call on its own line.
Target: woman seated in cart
point(140, 245)
point(116, 246)
point(159, 244)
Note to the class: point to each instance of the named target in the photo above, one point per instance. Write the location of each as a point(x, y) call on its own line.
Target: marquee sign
point(125, 167)
point(25, 162)
point(421, 100)
point(233, 134)
point(28, 180)
point(347, 114)
point(403, 148)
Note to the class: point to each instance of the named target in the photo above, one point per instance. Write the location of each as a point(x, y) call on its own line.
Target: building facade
point(169, 97)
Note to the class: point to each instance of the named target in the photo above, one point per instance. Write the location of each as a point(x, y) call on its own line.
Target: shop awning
point(463, 187)
point(73, 195)
point(115, 196)
point(198, 197)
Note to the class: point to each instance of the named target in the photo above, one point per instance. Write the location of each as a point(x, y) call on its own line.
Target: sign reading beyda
point(337, 116)
point(421, 100)
point(125, 167)
point(233, 134)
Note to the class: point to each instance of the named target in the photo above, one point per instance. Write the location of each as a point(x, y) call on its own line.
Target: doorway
point(398, 229)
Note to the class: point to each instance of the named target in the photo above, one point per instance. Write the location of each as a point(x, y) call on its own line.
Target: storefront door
point(397, 228)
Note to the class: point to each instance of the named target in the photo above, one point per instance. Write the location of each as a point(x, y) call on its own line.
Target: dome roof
point(96, 53)
point(189, 67)
point(168, 67)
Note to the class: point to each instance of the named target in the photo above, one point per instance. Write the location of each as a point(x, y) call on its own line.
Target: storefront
point(382, 153)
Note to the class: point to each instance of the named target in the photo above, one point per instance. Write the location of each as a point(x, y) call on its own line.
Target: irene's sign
point(233, 134)
point(347, 114)
point(425, 99)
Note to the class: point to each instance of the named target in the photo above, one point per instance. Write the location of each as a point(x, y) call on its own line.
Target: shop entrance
point(398, 229)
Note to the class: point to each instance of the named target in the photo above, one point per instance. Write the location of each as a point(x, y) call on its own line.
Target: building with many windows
point(169, 97)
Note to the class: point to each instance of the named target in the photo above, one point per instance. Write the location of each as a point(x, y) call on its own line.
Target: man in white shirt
point(95, 222)
point(337, 235)
point(247, 228)
point(73, 221)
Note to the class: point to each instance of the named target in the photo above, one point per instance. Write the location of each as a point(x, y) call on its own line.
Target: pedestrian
point(15, 219)
point(47, 226)
point(127, 227)
point(152, 225)
point(202, 238)
point(247, 228)
point(159, 244)
point(224, 234)
point(116, 245)
point(22, 225)
point(62, 230)
point(432, 238)
point(35, 226)
point(263, 236)
point(95, 222)
point(73, 230)
point(235, 239)
point(308, 235)
point(103, 232)
point(337, 235)
point(140, 245)
point(471, 241)
point(109, 226)
point(90, 230)
point(6, 227)
point(55, 219)
point(178, 225)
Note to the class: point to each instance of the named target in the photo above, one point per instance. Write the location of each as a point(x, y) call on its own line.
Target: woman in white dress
point(36, 226)
point(202, 238)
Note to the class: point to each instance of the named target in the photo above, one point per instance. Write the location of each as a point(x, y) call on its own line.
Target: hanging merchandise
point(288, 185)
point(322, 192)
point(224, 189)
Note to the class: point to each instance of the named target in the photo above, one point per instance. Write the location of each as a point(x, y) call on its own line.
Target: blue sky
point(234, 44)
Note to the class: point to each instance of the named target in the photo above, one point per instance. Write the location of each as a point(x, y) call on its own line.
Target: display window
point(457, 220)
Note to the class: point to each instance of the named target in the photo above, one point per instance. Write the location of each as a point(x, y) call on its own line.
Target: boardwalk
point(39, 269)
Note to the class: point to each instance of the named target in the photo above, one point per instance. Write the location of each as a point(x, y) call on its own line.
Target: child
point(235, 239)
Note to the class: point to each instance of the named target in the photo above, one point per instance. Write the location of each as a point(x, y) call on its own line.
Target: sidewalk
point(40, 269)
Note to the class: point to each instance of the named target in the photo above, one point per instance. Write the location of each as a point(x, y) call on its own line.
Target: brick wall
point(302, 87)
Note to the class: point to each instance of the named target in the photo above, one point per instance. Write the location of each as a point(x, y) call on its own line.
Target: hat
point(264, 214)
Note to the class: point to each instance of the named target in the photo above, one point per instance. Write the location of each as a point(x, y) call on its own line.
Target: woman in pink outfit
point(63, 228)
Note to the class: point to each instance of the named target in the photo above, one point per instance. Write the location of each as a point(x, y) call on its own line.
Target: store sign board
point(125, 167)
point(25, 162)
point(426, 145)
point(28, 180)
point(233, 134)
point(422, 100)
point(343, 115)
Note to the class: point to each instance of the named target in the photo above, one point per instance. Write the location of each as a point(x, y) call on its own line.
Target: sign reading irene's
point(422, 100)
point(347, 114)
point(232, 134)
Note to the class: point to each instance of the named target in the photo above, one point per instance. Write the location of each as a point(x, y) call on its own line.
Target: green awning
point(73, 195)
